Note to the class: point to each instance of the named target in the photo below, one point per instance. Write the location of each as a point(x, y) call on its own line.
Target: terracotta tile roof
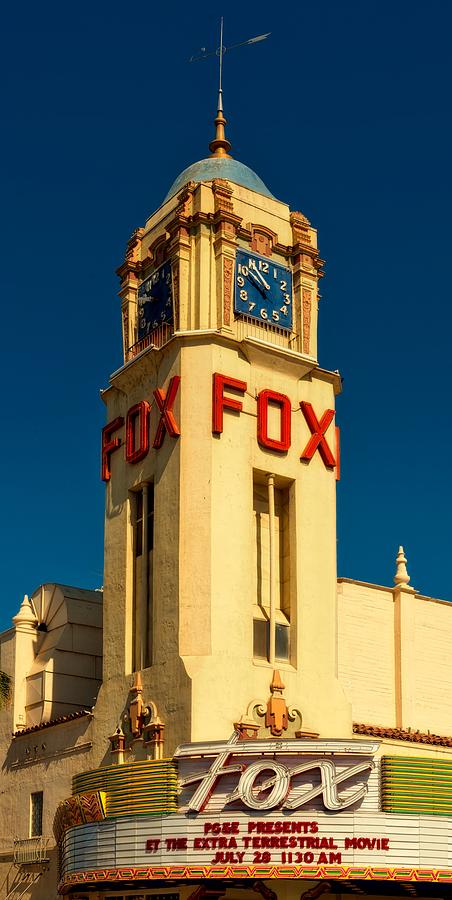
point(401, 734)
point(60, 720)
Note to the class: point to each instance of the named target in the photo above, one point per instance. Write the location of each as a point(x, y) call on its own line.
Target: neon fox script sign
point(268, 783)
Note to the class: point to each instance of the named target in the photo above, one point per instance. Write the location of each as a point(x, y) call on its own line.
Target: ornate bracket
point(141, 722)
point(276, 712)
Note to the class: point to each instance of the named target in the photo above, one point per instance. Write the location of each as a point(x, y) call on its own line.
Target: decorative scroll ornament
point(276, 712)
point(136, 707)
point(141, 722)
point(307, 303)
point(227, 288)
point(125, 329)
point(176, 294)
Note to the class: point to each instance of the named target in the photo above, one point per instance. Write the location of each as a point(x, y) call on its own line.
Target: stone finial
point(401, 577)
point(154, 733)
point(136, 707)
point(25, 619)
point(277, 718)
point(118, 744)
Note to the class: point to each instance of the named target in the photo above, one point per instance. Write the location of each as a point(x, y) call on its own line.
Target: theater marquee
point(273, 809)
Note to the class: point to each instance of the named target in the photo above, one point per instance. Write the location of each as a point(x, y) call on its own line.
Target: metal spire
point(220, 146)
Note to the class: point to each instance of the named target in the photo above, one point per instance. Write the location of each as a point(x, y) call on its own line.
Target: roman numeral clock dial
point(263, 290)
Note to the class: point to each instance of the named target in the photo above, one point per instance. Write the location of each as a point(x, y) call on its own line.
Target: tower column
point(25, 622)
point(272, 565)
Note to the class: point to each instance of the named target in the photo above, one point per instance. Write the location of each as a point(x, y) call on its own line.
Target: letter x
point(318, 439)
point(167, 421)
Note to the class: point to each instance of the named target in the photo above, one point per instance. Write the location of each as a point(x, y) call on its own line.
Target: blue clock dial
point(155, 301)
point(263, 290)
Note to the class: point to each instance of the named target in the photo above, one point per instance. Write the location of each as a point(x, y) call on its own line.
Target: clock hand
point(259, 274)
point(252, 274)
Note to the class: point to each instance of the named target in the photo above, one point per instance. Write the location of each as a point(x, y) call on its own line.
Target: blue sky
point(345, 113)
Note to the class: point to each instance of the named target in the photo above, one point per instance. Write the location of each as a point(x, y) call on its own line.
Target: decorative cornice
point(127, 268)
point(134, 243)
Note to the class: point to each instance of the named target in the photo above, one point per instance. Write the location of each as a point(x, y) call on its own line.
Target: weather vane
point(220, 145)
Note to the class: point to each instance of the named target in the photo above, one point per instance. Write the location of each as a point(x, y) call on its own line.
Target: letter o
point(141, 412)
point(279, 782)
point(281, 444)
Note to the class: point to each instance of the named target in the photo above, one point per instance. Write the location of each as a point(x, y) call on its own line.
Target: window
point(142, 509)
point(36, 802)
point(271, 617)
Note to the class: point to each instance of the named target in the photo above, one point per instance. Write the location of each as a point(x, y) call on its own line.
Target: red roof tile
point(60, 720)
point(401, 734)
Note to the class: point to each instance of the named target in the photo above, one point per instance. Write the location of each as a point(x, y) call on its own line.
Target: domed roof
point(219, 167)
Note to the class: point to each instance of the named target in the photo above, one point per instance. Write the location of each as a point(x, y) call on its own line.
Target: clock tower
point(220, 457)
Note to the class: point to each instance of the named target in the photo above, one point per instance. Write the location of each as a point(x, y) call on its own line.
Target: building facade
point(256, 725)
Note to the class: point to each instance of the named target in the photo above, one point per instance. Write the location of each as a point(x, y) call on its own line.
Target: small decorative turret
point(401, 577)
point(25, 619)
point(118, 744)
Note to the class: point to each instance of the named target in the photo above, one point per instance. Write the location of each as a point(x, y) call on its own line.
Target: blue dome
point(219, 167)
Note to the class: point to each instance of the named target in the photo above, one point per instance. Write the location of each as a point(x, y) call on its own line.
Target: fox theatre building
point(259, 728)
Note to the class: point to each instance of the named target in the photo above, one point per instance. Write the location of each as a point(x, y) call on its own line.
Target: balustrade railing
point(31, 850)
point(246, 327)
point(159, 337)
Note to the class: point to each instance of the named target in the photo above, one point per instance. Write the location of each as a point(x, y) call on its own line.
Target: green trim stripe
point(145, 788)
point(416, 785)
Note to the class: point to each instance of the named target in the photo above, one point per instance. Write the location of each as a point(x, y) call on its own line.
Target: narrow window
point(142, 502)
point(271, 617)
point(36, 803)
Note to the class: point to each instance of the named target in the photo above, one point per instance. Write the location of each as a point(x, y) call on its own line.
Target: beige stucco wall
point(43, 760)
point(366, 651)
point(431, 664)
point(395, 657)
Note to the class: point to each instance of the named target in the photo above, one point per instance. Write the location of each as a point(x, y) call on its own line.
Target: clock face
point(155, 301)
point(263, 290)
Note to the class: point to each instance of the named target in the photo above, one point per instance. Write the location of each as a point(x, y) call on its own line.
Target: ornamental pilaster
point(128, 273)
point(179, 250)
point(225, 225)
point(306, 272)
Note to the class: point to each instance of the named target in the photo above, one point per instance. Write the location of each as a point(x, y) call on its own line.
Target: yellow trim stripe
point(147, 788)
point(416, 785)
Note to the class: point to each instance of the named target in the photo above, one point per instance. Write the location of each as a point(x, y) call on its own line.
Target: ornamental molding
point(140, 722)
point(306, 314)
point(79, 810)
point(228, 267)
point(275, 712)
